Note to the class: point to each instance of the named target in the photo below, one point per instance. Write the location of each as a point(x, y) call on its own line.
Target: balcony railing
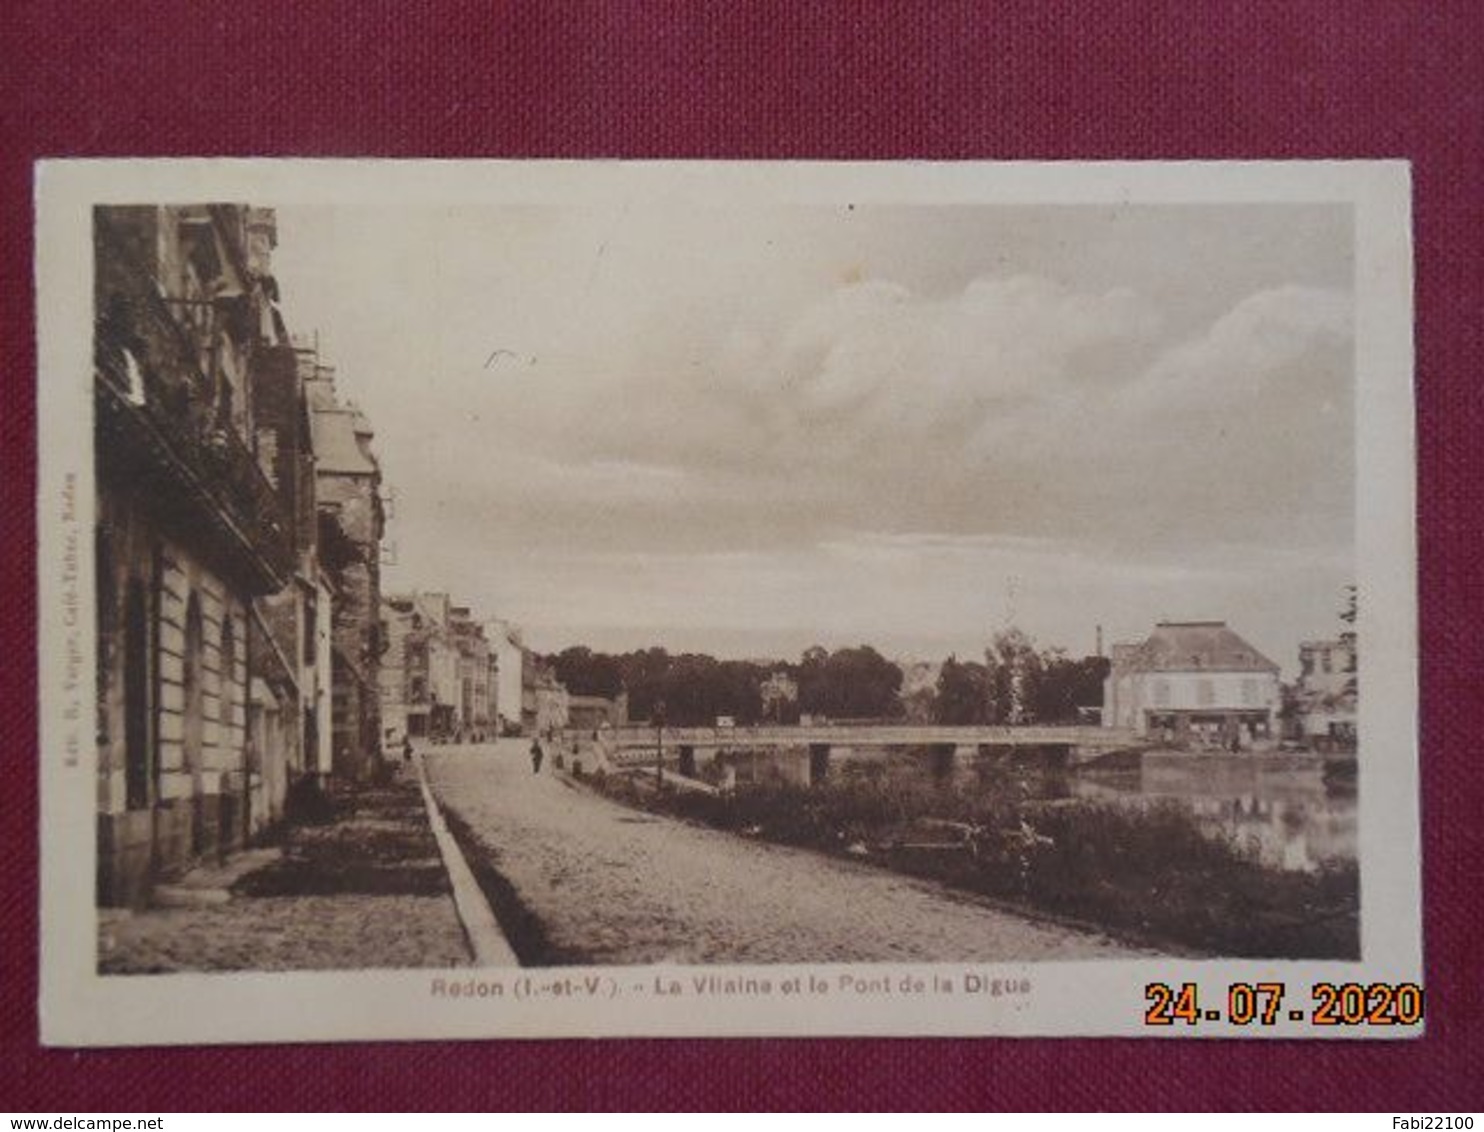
point(150, 385)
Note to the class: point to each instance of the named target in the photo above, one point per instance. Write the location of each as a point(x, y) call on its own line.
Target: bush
point(1148, 872)
point(307, 803)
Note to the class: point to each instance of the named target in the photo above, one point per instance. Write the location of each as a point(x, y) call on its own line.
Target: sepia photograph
point(540, 599)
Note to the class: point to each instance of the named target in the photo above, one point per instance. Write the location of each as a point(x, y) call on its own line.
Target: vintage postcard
point(501, 599)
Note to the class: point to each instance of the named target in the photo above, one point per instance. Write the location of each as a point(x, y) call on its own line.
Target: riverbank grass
point(1150, 874)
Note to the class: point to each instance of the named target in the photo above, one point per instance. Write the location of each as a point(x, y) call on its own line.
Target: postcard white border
point(1105, 997)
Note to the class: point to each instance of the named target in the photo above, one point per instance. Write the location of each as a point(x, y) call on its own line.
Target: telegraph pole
point(659, 745)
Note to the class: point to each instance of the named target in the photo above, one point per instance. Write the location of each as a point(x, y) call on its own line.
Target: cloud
point(775, 419)
point(1244, 432)
point(1246, 350)
point(1013, 407)
point(873, 364)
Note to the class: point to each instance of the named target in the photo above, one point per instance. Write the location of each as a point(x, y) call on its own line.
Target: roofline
point(1269, 666)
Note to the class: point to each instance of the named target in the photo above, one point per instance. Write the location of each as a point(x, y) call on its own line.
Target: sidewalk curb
point(486, 940)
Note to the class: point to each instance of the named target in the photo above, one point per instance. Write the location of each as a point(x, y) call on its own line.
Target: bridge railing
point(873, 735)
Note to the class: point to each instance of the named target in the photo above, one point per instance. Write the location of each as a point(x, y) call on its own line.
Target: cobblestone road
point(610, 885)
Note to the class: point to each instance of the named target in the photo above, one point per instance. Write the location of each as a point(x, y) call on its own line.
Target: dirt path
point(609, 885)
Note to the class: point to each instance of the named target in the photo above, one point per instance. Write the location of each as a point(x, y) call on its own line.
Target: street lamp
point(659, 745)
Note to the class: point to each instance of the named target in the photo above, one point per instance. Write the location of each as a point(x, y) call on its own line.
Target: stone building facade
point(351, 523)
point(189, 533)
point(1193, 684)
point(438, 673)
point(595, 713)
point(295, 623)
point(1326, 693)
point(404, 674)
point(508, 650)
point(545, 704)
point(475, 716)
point(419, 676)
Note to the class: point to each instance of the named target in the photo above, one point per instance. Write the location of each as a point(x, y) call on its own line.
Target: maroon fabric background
point(785, 79)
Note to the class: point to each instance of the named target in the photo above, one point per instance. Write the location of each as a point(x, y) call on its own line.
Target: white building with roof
point(1326, 692)
point(1193, 683)
point(508, 646)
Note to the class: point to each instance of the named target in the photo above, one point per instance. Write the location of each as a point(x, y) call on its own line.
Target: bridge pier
point(819, 763)
point(946, 758)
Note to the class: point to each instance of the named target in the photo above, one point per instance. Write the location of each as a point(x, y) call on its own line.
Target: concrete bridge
point(639, 745)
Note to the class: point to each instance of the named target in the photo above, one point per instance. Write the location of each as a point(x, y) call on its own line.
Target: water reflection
point(1286, 808)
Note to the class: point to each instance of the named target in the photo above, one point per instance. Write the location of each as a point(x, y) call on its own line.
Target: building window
point(1162, 692)
point(311, 739)
point(1249, 693)
point(311, 630)
point(194, 691)
point(228, 678)
point(138, 763)
point(1326, 663)
point(1205, 692)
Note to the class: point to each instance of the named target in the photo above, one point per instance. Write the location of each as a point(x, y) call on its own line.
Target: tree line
point(1017, 682)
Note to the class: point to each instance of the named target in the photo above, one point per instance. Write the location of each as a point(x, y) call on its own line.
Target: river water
point(1282, 806)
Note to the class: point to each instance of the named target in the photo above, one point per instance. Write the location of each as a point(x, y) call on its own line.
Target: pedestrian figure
point(406, 748)
point(535, 756)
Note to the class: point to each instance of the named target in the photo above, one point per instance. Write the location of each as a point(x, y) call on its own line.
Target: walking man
point(535, 756)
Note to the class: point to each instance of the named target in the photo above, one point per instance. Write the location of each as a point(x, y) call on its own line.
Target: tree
point(850, 683)
point(643, 674)
point(920, 705)
point(1067, 685)
point(813, 680)
point(690, 691)
point(919, 692)
point(779, 696)
point(1014, 668)
point(586, 673)
point(963, 692)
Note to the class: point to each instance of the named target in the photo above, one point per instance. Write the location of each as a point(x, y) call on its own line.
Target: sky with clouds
point(746, 432)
